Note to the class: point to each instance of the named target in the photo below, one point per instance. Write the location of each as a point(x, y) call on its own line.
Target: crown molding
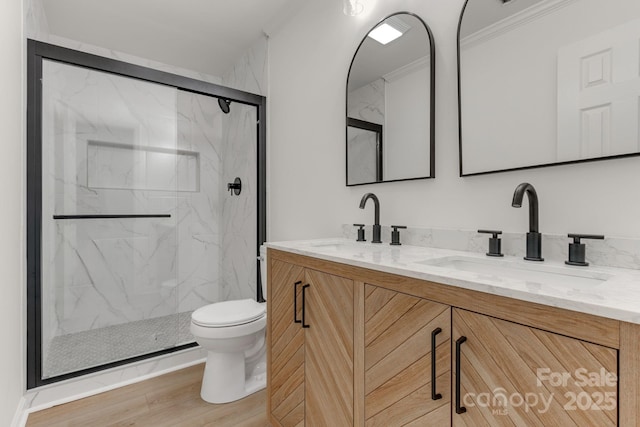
point(514, 21)
point(399, 73)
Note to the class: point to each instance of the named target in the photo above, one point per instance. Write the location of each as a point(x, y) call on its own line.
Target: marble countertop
point(602, 291)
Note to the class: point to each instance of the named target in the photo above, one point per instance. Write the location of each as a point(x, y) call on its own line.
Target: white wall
point(309, 59)
point(11, 219)
point(406, 136)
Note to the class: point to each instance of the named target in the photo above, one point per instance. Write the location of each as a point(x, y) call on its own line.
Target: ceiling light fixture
point(352, 7)
point(384, 33)
point(389, 30)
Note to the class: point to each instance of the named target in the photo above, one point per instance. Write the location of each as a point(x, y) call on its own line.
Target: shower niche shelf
point(120, 166)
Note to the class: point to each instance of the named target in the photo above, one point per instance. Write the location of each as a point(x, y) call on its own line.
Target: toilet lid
point(228, 313)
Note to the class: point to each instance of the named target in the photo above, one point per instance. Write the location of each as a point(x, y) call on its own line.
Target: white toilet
point(233, 333)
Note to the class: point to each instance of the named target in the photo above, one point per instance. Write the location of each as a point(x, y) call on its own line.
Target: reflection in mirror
point(547, 82)
point(390, 97)
point(365, 151)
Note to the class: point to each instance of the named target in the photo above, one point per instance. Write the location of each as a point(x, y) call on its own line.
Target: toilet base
point(225, 380)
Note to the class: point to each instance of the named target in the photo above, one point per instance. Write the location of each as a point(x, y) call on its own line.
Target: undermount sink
point(340, 245)
point(529, 272)
point(335, 245)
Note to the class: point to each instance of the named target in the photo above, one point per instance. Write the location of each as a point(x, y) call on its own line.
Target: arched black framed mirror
point(391, 97)
point(547, 82)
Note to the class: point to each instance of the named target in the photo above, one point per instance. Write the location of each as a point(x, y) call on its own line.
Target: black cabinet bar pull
point(459, 409)
point(434, 394)
point(295, 302)
point(304, 288)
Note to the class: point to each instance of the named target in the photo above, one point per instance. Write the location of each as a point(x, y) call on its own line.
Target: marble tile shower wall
point(200, 124)
point(105, 272)
point(611, 252)
point(239, 213)
point(249, 73)
point(367, 102)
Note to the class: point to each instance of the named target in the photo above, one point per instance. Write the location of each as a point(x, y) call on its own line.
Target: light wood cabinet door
point(311, 347)
point(286, 382)
point(404, 335)
point(328, 350)
point(513, 375)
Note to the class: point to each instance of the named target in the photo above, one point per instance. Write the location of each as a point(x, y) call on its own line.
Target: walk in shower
point(131, 224)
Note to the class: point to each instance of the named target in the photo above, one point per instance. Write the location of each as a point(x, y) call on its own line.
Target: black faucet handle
point(495, 244)
point(360, 232)
point(576, 237)
point(395, 234)
point(494, 232)
point(577, 250)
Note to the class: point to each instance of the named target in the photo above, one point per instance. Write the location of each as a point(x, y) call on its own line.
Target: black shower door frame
point(36, 53)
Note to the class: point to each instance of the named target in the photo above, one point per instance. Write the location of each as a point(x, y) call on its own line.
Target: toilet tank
point(263, 270)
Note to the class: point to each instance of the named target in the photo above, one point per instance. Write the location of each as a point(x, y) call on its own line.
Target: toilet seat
point(228, 313)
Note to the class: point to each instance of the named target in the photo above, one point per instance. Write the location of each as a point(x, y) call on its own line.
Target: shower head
point(224, 105)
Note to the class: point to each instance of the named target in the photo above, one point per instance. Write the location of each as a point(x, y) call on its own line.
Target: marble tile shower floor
point(81, 350)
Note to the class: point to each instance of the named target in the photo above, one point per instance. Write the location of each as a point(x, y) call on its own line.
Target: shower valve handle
point(235, 187)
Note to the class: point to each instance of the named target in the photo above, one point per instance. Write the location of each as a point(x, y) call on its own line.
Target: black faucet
point(534, 238)
point(376, 225)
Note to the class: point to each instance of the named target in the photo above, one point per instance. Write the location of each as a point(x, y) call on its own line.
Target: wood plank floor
point(169, 400)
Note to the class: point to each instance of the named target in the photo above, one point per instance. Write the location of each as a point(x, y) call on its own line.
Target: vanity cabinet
point(367, 357)
point(512, 374)
point(311, 347)
point(407, 358)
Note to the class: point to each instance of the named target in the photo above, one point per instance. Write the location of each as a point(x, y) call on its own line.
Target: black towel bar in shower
point(111, 216)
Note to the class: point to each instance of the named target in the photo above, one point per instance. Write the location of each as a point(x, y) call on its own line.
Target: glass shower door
point(112, 176)
point(217, 229)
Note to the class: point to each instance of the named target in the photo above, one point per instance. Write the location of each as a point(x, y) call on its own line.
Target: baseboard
point(20, 416)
